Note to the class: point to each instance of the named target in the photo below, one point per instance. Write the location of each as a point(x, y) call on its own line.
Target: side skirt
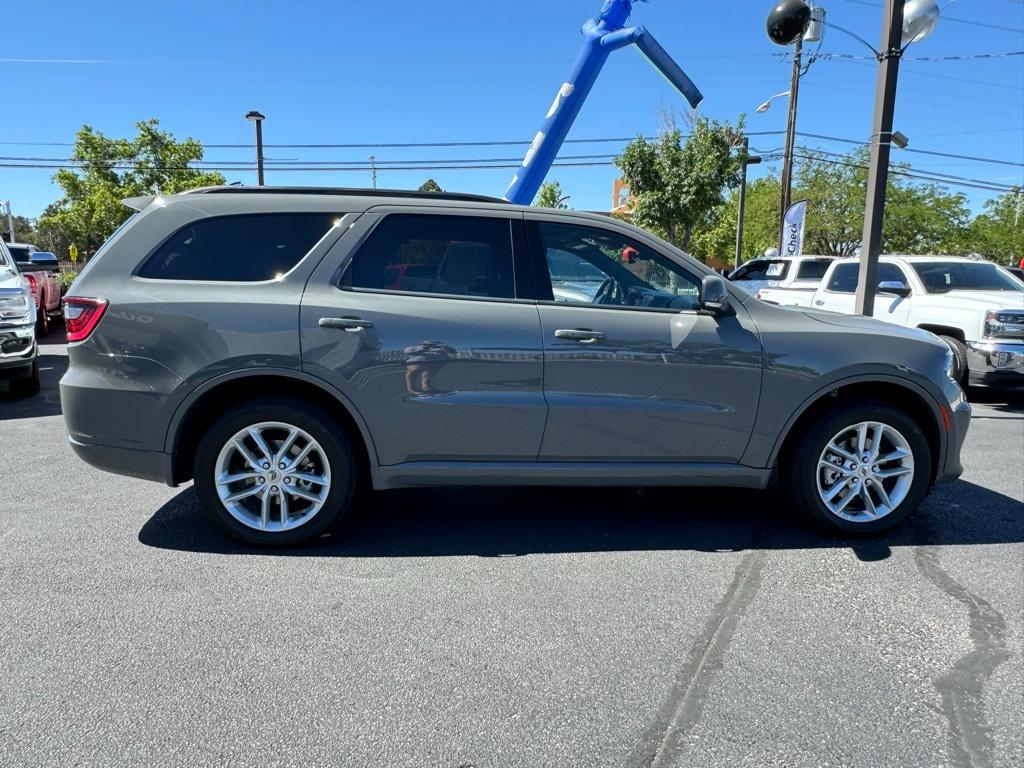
point(415, 474)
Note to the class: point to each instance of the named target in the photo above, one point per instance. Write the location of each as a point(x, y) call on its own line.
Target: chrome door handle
point(350, 324)
point(579, 334)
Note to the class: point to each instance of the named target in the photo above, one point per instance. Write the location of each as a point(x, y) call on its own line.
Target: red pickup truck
point(42, 271)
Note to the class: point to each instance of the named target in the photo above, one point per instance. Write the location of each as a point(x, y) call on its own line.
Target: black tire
point(42, 322)
point(960, 368)
point(800, 466)
point(319, 425)
point(27, 386)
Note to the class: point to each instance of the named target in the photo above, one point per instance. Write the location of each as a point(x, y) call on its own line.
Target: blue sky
point(403, 71)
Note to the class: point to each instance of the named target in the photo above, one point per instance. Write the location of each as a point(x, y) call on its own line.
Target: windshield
point(942, 277)
point(21, 253)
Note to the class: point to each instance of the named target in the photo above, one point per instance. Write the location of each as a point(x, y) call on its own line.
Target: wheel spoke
point(257, 438)
point(243, 449)
point(833, 447)
point(286, 445)
point(841, 469)
point(896, 455)
point(883, 495)
point(265, 510)
point(229, 479)
point(298, 459)
point(315, 479)
point(893, 472)
point(282, 498)
point(302, 493)
point(252, 490)
point(832, 492)
point(869, 503)
point(862, 436)
point(847, 499)
point(876, 441)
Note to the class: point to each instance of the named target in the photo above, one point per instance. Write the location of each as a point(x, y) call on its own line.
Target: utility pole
point(373, 170)
point(878, 168)
point(787, 157)
point(747, 160)
point(10, 222)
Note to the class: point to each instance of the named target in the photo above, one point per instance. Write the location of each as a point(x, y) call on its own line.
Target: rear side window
point(245, 248)
point(424, 253)
point(813, 270)
point(844, 279)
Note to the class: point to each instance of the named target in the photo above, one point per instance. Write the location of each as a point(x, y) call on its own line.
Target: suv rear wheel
point(275, 472)
point(863, 468)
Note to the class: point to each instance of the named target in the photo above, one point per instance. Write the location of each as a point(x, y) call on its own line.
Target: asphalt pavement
point(506, 627)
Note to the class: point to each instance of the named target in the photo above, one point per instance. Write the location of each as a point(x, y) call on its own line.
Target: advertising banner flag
point(793, 230)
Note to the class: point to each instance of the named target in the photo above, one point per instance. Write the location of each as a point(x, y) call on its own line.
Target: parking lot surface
point(506, 627)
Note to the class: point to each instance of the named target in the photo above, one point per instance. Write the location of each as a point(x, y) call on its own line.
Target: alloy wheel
point(272, 476)
point(865, 472)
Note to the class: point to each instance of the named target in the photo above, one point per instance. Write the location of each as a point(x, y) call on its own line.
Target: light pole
point(747, 160)
point(768, 102)
point(10, 222)
point(902, 24)
point(258, 118)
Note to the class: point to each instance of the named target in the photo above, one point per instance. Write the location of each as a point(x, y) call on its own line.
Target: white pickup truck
point(974, 306)
point(798, 273)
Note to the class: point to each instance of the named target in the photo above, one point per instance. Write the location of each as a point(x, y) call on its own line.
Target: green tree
point(998, 233)
point(760, 224)
point(24, 230)
point(678, 183)
point(550, 196)
point(430, 186)
point(110, 170)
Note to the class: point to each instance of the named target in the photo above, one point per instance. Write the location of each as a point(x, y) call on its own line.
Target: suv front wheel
point(275, 472)
point(860, 468)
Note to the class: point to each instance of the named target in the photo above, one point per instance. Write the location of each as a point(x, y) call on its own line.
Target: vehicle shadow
point(47, 401)
point(497, 522)
point(1001, 400)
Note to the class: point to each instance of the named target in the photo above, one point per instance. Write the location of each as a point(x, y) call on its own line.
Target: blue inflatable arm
point(602, 35)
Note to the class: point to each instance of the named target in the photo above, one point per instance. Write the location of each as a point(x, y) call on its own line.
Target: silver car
point(284, 347)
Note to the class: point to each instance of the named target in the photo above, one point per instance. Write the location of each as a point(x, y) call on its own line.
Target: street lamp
point(767, 105)
point(903, 22)
point(258, 118)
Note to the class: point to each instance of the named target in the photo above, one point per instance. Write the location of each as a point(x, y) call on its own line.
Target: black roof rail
point(409, 194)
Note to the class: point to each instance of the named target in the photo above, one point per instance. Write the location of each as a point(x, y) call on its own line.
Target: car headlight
point(15, 305)
point(1005, 324)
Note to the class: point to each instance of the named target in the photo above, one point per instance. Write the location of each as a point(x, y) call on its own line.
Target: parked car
point(42, 271)
point(797, 273)
point(975, 307)
point(252, 340)
point(18, 364)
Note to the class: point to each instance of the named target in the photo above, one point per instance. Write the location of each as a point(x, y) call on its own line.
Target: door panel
point(841, 293)
point(656, 387)
point(434, 377)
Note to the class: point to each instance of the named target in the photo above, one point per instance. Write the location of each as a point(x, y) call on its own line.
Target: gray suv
point(284, 347)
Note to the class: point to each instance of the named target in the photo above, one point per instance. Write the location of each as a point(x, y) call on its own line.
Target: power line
point(954, 19)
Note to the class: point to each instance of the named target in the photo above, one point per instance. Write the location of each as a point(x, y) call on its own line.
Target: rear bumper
point(997, 364)
point(146, 465)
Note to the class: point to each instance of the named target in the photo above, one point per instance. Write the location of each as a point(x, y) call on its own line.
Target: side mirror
point(895, 287)
point(714, 296)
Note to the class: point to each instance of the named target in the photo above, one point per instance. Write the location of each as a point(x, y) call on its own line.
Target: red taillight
point(31, 279)
point(81, 316)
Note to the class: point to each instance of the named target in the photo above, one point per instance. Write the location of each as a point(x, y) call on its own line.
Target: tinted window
point(422, 253)
point(612, 270)
point(238, 248)
point(21, 253)
point(813, 270)
point(844, 278)
point(961, 276)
